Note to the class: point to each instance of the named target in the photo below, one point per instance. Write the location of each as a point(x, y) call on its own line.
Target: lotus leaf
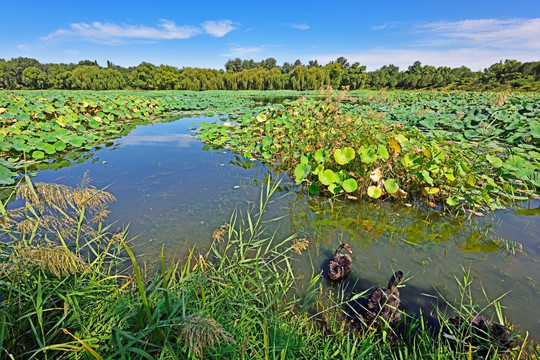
point(391, 186)
point(374, 192)
point(344, 156)
point(327, 177)
point(350, 185)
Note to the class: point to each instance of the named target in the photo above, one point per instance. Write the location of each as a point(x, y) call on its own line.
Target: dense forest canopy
point(27, 73)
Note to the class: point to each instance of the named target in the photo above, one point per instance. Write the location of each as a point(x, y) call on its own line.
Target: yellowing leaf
point(394, 146)
point(376, 175)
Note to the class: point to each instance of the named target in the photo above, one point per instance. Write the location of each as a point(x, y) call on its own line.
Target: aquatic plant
point(341, 147)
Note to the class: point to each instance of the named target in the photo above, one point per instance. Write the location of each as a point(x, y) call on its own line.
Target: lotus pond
point(174, 189)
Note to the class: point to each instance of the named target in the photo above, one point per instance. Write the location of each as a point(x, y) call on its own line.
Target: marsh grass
point(238, 300)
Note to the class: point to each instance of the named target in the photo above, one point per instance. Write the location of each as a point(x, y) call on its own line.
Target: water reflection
point(180, 140)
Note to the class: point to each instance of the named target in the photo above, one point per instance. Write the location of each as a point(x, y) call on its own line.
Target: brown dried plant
point(53, 195)
point(299, 245)
point(500, 98)
point(219, 234)
point(56, 207)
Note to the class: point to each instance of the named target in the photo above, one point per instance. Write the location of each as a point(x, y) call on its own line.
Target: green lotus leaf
point(318, 169)
point(374, 192)
point(321, 155)
point(334, 188)
point(301, 171)
point(6, 176)
point(344, 156)
point(38, 154)
point(495, 161)
point(383, 152)
point(411, 161)
point(350, 185)
point(313, 188)
point(449, 174)
point(452, 200)
point(48, 148)
point(391, 186)
point(327, 177)
point(60, 145)
point(368, 155)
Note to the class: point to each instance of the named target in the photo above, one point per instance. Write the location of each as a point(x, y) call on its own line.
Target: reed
point(90, 299)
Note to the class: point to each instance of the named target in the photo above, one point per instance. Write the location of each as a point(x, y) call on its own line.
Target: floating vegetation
point(300, 245)
point(37, 127)
point(334, 147)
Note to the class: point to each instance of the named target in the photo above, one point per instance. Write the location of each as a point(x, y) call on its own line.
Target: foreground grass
point(82, 295)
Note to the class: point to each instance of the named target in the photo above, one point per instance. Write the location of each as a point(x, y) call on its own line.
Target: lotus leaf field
point(37, 127)
point(478, 150)
point(450, 150)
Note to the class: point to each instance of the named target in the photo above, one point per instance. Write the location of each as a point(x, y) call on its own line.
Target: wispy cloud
point(112, 33)
point(72, 52)
point(218, 28)
point(508, 33)
point(387, 25)
point(300, 26)
point(380, 27)
point(239, 51)
point(23, 47)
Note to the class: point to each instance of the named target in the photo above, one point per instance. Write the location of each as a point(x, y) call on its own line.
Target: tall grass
point(238, 300)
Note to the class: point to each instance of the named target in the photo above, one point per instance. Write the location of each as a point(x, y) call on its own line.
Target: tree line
point(28, 73)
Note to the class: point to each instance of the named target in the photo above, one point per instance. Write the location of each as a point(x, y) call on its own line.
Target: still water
point(172, 190)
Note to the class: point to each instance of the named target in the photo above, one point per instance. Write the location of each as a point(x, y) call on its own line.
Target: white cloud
point(510, 33)
point(23, 47)
point(300, 26)
point(218, 28)
point(473, 58)
point(380, 27)
point(112, 33)
point(72, 52)
point(239, 51)
point(476, 44)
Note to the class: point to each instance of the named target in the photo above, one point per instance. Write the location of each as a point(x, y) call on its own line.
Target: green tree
point(81, 77)
point(34, 78)
point(58, 76)
point(269, 63)
point(343, 62)
point(143, 76)
point(8, 77)
point(336, 74)
point(167, 77)
point(21, 63)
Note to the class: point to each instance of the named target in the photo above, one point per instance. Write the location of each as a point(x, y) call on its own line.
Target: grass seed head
point(201, 333)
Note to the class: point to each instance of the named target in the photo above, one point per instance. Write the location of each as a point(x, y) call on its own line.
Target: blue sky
point(208, 33)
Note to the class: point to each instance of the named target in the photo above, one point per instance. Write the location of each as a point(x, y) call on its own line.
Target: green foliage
point(265, 75)
point(429, 157)
point(84, 298)
point(40, 126)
